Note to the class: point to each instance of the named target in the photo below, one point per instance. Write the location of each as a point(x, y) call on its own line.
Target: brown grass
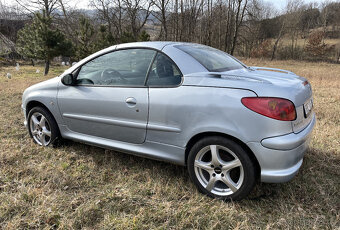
point(77, 186)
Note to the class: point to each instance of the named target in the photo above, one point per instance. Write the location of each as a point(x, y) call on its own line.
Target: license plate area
point(308, 107)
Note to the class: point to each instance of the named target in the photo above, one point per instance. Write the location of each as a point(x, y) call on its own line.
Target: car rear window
point(212, 59)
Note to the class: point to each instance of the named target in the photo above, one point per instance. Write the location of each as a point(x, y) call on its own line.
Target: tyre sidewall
point(52, 123)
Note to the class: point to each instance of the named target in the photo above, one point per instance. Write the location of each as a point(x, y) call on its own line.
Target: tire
point(229, 175)
point(42, 126)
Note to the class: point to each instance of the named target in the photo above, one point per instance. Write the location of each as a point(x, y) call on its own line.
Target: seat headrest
point(164, 67)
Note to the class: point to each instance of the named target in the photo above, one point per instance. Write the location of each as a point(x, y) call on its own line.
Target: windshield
point(212, 59)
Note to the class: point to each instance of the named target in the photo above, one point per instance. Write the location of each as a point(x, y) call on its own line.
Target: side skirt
point(151, 150)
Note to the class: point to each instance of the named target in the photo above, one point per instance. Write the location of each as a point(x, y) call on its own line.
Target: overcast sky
point(278, 4)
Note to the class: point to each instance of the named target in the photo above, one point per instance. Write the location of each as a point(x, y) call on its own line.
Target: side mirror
point(68, 79)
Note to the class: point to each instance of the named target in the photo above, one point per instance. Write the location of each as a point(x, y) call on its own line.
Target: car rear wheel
point(221, 168)
point(42, 126)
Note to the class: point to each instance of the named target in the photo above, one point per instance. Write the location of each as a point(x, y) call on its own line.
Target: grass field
point(77, 186)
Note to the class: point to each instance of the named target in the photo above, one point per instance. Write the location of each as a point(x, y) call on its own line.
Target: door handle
point(131, 101)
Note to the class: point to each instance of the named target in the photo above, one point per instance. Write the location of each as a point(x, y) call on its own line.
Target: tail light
point(276, 108)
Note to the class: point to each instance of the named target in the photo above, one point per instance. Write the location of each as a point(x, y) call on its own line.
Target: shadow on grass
point(101, 157)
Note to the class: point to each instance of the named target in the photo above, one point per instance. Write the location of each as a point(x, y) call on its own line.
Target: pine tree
point(85, 34)
point(105, 39)
point(41, 41)
point(144, 36)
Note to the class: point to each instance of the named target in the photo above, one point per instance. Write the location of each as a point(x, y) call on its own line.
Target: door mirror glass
point(68, 79)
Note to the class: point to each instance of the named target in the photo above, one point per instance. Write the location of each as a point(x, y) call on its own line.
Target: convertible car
point(188, 104)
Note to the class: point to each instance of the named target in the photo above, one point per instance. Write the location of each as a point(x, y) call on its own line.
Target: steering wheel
point(108, 74)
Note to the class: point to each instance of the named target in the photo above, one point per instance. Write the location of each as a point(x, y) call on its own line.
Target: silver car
point(184, 103)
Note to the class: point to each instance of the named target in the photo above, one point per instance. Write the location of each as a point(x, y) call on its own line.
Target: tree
point(161, 15)
point(105, 38)
point(316, 46)
point(85, 45)
point(144, 36)
point(136, 14)
point(39, 40)
point(238, 22)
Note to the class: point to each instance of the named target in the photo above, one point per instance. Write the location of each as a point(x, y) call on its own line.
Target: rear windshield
point(212, 59)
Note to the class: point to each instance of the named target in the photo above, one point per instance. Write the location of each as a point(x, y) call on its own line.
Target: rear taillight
point(276, 108)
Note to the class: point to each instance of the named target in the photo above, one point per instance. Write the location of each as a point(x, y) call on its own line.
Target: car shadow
point(100, 156)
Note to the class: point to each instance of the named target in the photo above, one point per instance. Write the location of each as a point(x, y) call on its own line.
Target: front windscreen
point(212, 59)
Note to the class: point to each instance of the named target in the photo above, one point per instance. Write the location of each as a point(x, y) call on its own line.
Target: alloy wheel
point(219, 170)
point(40, 129)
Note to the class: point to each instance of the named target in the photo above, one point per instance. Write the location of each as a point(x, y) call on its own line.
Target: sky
point(278, 4)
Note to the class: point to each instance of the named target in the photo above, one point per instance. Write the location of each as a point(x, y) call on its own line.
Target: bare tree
point(33, 6)
point(137, 13)
point(238, 21)
point(161, 14)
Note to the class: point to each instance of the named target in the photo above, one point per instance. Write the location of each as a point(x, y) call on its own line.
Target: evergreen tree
point(39, 40)
point(127, 37)
point(85, 45)
point(105, 38)
point(144, 36)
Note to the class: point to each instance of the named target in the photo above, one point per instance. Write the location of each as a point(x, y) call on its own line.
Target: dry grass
point(286, 41)
point(77, 186)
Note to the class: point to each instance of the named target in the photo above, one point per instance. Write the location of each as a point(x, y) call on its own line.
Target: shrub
point(316, 47)
point(264, 49)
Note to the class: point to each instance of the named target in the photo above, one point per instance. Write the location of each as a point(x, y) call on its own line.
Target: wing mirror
point(68, 79)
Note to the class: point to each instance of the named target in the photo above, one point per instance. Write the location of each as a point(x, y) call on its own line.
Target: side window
point(164, 72)
point(118, 68)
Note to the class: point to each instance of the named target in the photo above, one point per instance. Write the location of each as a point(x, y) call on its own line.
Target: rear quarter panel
point(178, 114)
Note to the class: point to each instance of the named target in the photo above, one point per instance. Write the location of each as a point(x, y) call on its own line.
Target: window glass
point(122, 67)
point(164, 72)
point(212, 59)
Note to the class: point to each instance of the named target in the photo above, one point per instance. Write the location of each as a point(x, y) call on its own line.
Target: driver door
point(109, 99)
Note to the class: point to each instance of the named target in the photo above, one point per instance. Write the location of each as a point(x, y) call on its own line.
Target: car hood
point(265, 82)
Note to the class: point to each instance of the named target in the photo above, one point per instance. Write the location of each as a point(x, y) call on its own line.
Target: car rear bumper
point(281, 157)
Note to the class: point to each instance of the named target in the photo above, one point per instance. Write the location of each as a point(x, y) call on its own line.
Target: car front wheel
point(42, 126)
point(221, 168)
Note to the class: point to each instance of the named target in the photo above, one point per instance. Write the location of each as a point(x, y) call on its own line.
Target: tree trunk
point(32, 61)
point(238, 23)
point(47, 66)
point(228, 27)
point(277, 41)
point(164, 21)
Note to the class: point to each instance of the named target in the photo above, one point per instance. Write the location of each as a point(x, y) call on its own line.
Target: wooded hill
point(246, 28)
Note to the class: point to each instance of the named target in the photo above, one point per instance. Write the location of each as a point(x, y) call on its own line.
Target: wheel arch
point(31, 104)
point(202, 135)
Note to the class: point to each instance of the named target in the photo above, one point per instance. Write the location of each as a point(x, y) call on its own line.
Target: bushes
point(263, 50)
point(289, 52)
point(316, 47)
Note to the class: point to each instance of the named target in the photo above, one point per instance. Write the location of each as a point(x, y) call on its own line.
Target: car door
point(168, 102)
point(109, 98)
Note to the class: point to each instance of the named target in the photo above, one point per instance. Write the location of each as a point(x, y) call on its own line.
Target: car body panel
point(104, 112)
point(167, 118)
point(149, 149)
point(189, 110)
point(45, 93)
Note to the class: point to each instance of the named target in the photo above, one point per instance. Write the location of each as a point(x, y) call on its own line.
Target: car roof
point(159, 45)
